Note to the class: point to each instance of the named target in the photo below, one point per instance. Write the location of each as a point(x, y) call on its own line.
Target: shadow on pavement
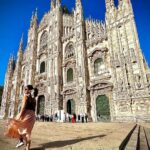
point(57, 144)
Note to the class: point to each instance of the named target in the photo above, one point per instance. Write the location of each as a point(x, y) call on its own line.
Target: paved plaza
point(68, 136)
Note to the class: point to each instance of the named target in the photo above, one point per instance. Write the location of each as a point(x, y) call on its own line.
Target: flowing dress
point(16, 128)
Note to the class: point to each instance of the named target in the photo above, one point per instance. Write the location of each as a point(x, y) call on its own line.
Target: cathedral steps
point(132, 136)
point(137, 139)
point(143, 144)
point(147, 132)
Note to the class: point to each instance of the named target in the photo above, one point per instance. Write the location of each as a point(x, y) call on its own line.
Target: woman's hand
point(18, 117)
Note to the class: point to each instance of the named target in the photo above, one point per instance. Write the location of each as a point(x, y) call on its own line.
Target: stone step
point(133, 141)
point(147, 133)
point(142, 140)
point(125, 143)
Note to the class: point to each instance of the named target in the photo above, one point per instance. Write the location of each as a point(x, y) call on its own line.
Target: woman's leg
point(28, 142)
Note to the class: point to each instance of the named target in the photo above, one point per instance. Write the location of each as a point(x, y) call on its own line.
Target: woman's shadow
point(57, 144)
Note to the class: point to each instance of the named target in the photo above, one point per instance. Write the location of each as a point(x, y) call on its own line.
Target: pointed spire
point(20, 51)
point(109, 4)
point(34, 18)
point(128, 5)
point(78, 3)
point(32, 15)
point(21, 43)
point(79, 8)
point(78, 13)
point(36, 13)
point(52, 4)
point(126, 1)
point(58, 3)
point(11, 63)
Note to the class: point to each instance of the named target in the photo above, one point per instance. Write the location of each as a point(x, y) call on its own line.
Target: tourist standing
point(73, 120)
point(82, 118)
point(79, 118)
point(75, 117)
point(86, 118)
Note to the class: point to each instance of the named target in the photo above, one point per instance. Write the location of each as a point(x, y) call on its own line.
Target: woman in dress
point(22, 125)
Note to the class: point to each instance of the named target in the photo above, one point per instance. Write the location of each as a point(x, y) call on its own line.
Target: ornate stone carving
point(43, 41)
point(102, 85)
point(138, 81)
point(69, 92)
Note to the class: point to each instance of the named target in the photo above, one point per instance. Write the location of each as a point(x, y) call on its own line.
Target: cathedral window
point(43, 41)
point(69, 51)
point(70, 75)
point(42, 67)
point(97, 66)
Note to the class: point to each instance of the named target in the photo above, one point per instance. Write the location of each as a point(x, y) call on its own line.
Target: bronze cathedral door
point(102, 108)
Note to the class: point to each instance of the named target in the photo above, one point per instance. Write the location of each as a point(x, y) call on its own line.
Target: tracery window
point(69, 51)
point(97, 65)
point(70, 75)
point(42, 67)
point(43, 41)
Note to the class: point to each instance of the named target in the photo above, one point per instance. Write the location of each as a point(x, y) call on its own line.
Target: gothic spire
point(109, 4)
point(52, 4)
point(78, 1)
point(11, 63)
point(78, 4)
point(20, 51)
point(128, 5)
point(78, 11)
point(21, 43)
point(34, 18)
point(58, 3)
point(125, 1)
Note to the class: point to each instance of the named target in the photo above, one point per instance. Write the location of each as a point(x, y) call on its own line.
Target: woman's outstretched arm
point(23, 107)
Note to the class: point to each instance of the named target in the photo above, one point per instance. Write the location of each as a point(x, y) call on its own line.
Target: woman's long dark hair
point(30, 87)
point(35, 90)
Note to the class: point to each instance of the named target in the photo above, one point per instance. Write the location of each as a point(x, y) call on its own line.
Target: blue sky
point(15, 19)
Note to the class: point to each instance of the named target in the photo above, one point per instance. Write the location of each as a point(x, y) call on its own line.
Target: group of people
point(66, 118)
point(76, 118)
point(45, 118)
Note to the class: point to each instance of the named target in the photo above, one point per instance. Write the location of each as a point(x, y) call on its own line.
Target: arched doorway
point(102, 108)
point(71, 106)
point(41, 105)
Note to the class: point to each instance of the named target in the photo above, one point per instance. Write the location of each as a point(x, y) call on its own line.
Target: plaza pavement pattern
point(84, 136)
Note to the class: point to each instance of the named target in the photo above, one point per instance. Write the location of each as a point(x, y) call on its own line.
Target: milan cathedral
point(82, 66)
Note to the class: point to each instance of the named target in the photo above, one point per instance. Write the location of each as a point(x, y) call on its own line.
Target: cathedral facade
point(82, 65)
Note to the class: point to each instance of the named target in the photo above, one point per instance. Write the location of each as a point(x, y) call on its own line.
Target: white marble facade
point(71, 58)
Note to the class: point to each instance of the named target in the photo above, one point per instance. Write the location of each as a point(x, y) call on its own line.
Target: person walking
point(21, 126)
